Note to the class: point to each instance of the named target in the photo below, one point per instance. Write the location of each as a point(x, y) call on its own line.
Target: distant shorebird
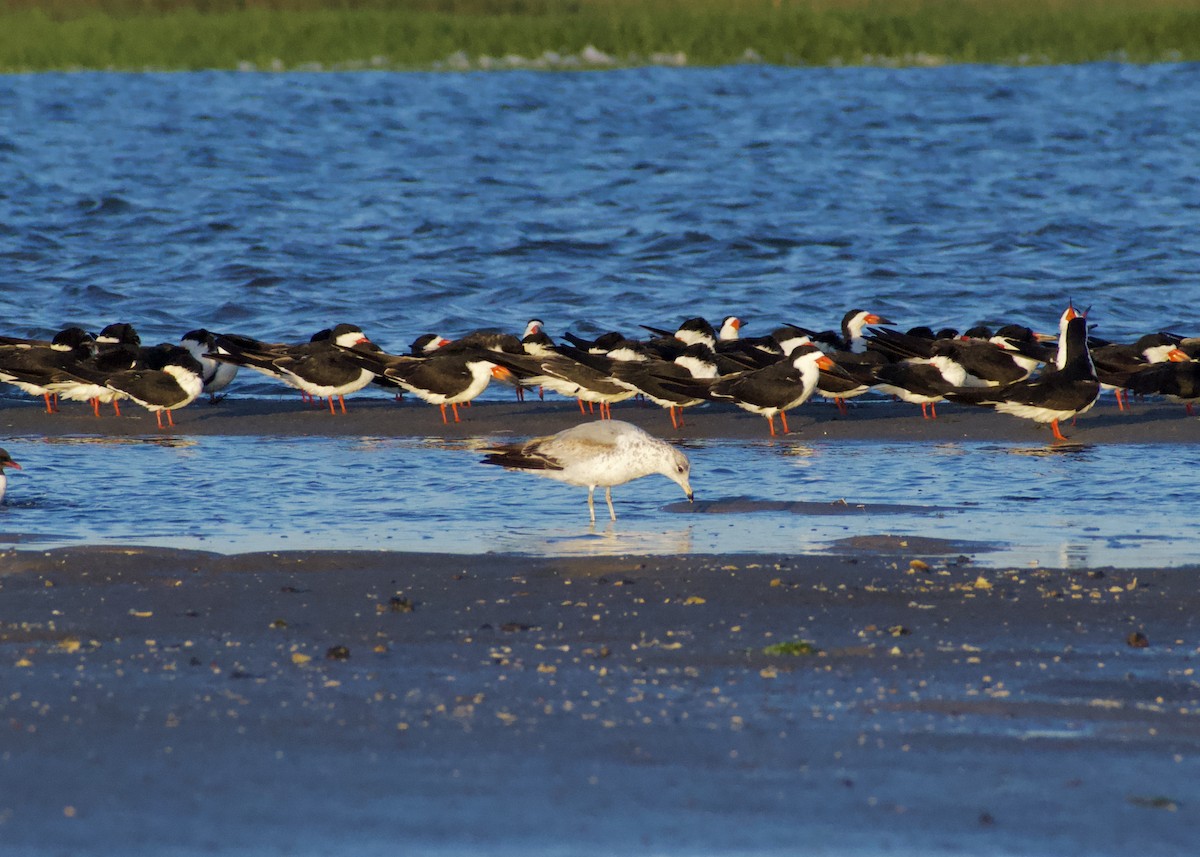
point(1053, 396)
point(608, 453)
point(321, 368)
point(6, 461)
point(216, 375)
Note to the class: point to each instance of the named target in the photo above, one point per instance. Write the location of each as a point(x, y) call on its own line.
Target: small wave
point(105, 205)
point(565, 247)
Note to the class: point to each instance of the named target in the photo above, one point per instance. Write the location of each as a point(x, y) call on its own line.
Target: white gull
point(607, 453)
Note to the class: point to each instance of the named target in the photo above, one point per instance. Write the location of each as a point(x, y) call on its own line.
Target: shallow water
point(278, 204)
point(1058, 506)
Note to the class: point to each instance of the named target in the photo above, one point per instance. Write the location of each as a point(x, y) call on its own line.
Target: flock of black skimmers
point(1046, 378)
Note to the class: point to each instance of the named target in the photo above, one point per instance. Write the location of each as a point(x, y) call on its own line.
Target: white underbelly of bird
point(596, 454)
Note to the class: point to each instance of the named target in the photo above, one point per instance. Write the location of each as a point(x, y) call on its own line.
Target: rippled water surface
point(1072, 505)
point(278, 204)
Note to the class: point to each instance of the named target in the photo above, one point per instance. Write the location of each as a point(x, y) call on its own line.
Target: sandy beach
point(1156, 422)
point(887, 697)
point(164, 702)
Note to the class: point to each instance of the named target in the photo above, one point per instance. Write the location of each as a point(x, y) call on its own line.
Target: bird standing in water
point(607, 453)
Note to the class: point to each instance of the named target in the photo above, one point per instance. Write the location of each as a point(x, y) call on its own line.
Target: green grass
point(167, 34)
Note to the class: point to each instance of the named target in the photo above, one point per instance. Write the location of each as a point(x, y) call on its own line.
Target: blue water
point(1029, 504)
point(275, 205)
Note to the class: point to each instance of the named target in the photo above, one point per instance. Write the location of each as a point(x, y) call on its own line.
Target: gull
point(607, 452)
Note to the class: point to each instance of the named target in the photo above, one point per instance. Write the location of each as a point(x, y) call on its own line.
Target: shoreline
point(308, 703)
point(376, 416)
point(484, 34)
point(239, 437)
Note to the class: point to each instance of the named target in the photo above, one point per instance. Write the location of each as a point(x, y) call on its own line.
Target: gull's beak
point(501, 372)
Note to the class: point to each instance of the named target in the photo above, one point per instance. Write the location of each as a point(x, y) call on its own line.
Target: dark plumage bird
point(216, 374)
point(572, 372)
point(918, 382)
point(167, 378)
point(452, 375)
point(768, 392)
point(982, 361)
point(319, 369)
point(33, 365)
point(651, 377)
point(5, 461)
point(1175, 380)
point(1055, 394)
point(1117, 363)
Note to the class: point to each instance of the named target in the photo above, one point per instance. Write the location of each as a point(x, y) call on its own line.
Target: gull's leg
point(591, 505)
point(608, 496)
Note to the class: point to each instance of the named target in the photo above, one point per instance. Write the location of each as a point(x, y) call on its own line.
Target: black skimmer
point(1051, 396)
point(602, 344)
point(217, 375)
point(604, 453)
point(427, 344)
point(851, 338)
point(1116, 363)
point(33, 365)
point(422, 346)
point(983, 362)
point(753, 352)
point(650, 377)
point(168, 378)
point(536, 343)
point(916, 381)
point(734, 353)
point(85, 379)
point(690, 332)
point(119, 336)
point(1178, 380)
point(730, 329)
point(1027, 349)
point(5, 461)
point(322, 368)
point(573, 373)
point(453, 375)
point(856, 362)
point(775, 389)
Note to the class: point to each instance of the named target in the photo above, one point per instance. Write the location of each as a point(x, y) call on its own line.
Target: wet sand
point(857, 702)
point(376, 416)
point(167, 702)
